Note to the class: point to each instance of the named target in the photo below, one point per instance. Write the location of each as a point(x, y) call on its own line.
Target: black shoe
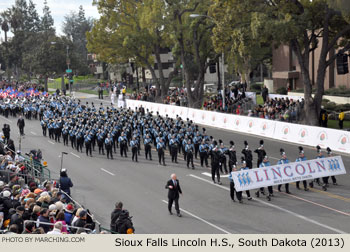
point(241, 201)
point(249, 198)
point(257, 194)
point(288, 192)
point(306, 189)
point(233, 200)
point(150, 159)
point(335, 183)
point(170, 213)
point(324, 187)
point(298, 187)
point(179, 215)
point(192, 167)
point(311, 185)
point(164, 164)
point(279, 189)
point(219, 183)
point(268, 198)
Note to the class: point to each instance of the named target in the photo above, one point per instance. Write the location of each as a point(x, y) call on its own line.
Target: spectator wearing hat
point(283, 160)
point(81, 221)
point(65, 183)
point(68, 213)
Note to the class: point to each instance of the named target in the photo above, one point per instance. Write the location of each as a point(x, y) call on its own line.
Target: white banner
point(288, 173)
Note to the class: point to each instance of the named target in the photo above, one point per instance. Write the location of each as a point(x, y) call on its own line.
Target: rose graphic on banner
point(237, 122)
point(250, 124)
point(322, 136)
point(213, 118)
point(286, 130)
point(225, 120)
point(264, 126)
point(203, 116)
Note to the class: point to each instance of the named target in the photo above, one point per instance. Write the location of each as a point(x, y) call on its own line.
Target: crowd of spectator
point(281, 109)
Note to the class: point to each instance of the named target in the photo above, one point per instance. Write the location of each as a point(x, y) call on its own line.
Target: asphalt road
point(206, 207)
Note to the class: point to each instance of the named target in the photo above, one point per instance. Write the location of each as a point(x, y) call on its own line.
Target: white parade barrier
point(294, 97)
point(337, 140)
point(287, 173)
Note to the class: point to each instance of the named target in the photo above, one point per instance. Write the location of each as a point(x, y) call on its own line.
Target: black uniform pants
point(100, 148)
point(65, 139)
point(123, 150)
point(304, 184)
point(204, 158)
point(173, 151)
point(215, 170)
point(286, 186)
point(72, 142)
point(148, 152)
point(161, 156)
point(44, 130)
point(88, 148)
point(134, 153)
point(223, 164)
point(196, 150)
point(325, 180)
point(190, 159)
point(109, 151)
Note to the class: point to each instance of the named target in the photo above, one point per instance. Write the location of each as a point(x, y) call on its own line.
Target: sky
point(59, 8)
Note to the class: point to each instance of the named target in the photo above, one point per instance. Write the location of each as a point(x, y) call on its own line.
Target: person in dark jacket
point(261, 153)
point(124, 223)
point(17, 218)
point(81, 222)
point(6, 131)
point(65, 182)
point(248, 157)
point(115, 215)
point(43, 219)
point(21, 124)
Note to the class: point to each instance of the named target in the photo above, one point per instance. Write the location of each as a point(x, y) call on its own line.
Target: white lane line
point(199, 218)
point(75, 155)
point(107, 172)
point(6, 119)
point(33, 133)
point(279, 208)
point(50, 142)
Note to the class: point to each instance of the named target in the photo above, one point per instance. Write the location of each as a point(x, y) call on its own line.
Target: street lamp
point(62, 153)
point(194, 15)
point(68, 63)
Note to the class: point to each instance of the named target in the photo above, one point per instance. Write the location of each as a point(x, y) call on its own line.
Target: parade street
point(206, 207)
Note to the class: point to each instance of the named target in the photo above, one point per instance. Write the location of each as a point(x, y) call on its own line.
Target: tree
point(304, 25)
point(193, 43)
point(132, 30)
point(5, 28)
point(75, 27)
point(245, 46)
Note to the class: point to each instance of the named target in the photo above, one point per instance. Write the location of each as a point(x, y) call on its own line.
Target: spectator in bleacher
point(43, 220)
point(29, 228)
point(16, 219)
point(68, 213)
point(57, 229)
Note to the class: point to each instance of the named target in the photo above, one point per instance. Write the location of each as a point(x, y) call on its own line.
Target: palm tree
point(5, 28)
